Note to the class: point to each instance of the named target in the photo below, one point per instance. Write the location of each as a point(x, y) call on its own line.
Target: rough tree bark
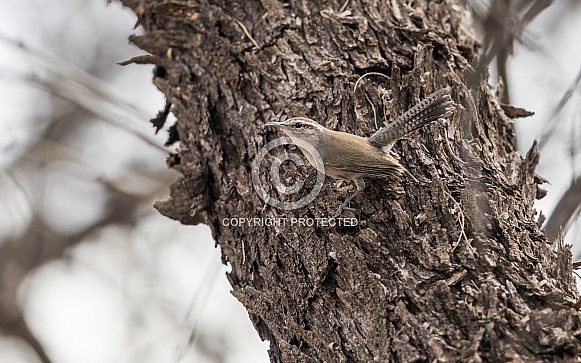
point(453, 268)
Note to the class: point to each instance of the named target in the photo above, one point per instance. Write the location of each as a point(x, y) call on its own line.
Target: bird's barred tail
point(435, 106)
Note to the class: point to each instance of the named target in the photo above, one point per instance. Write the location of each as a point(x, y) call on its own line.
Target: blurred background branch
point(88, 270)
point(566, 210)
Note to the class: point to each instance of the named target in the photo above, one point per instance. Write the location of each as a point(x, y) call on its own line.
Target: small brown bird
point(351, 157)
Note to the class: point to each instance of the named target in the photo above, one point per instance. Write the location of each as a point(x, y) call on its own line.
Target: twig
point(469, 94)
point(461, 219)
point(65, 80)
point(202, 297)
point(247, 33)
point(368, 74)
point(450, 147)
point(396, 10)
point(373, 107)
point(551, 125)
point(565, 210)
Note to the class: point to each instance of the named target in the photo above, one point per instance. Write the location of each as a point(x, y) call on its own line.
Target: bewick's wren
point(351, 157)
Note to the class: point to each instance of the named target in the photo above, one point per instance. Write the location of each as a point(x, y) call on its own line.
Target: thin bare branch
point(65, 80)
point(565, 210)
point(551, 124)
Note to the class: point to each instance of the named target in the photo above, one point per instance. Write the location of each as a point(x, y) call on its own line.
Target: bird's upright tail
point(435, 106)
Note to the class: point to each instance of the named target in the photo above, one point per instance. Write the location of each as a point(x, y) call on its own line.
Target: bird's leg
point(360, 184)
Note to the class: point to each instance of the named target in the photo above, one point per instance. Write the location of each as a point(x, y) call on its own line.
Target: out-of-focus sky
point(540, 72)
point(135, 293)
point(126, 293)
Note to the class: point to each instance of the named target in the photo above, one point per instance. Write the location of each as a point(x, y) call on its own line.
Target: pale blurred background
point(96, 273)
point(89, 271)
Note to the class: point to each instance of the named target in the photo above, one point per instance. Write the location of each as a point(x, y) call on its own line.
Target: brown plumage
point(351, 157)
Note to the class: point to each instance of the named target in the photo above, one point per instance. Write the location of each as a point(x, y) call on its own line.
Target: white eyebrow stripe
point(314, 124)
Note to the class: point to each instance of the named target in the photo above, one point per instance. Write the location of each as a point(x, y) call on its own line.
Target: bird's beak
point(277, 124)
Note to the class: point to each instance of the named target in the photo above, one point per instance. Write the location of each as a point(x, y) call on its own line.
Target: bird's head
point(300, 128)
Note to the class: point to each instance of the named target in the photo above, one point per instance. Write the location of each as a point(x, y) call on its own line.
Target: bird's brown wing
point(353, 156)
point(370, 165)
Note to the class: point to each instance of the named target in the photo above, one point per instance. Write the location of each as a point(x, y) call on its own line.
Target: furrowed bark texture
point(453, 268)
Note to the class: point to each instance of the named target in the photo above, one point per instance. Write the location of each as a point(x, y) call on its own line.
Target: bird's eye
point(298, 126)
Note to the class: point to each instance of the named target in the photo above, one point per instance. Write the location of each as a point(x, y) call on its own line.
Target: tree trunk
point(451, 267)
